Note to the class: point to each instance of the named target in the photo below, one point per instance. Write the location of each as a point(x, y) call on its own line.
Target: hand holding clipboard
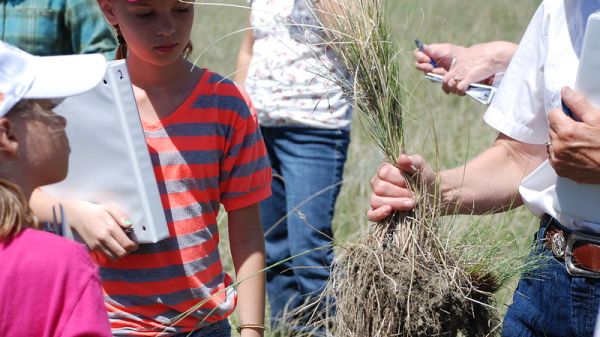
point(575, 199)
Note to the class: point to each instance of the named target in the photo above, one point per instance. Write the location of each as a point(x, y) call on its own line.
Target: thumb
point(441, 53)
point(409, 164)
point(419, 169)
point(580, 107)
point(434, 50)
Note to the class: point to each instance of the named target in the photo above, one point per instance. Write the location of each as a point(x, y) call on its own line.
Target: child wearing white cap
point(48, 285)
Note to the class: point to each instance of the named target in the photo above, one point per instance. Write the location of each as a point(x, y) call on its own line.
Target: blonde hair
point(15, 214)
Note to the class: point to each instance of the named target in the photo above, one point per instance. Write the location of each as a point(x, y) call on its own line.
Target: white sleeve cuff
point(511, 127)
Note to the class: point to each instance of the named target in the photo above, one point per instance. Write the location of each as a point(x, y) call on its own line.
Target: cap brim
point(62, 76)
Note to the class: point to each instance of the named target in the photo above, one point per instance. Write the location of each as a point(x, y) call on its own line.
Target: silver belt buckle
point(571, 268)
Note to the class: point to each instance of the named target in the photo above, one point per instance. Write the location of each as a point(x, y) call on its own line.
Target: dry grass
point(459, 133)
point(402, 278)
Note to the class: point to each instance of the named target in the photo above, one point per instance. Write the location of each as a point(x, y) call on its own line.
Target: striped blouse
point(206, 153)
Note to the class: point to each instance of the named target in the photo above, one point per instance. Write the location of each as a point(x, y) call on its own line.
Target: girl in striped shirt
point(207, 151)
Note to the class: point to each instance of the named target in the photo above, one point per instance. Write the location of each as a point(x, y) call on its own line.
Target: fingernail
point(566, 91)
point(409, 203)
point(127, 222)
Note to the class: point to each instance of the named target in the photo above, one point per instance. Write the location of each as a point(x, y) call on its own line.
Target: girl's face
point(156, 31)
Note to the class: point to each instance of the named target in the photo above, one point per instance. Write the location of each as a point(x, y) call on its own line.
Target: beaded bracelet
point(250, 326)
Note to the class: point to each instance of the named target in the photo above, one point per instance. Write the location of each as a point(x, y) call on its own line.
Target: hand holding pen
point(421, 49)
point(435, 58)
point(462, 66)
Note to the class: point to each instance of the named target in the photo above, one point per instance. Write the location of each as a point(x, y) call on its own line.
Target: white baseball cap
point(23, 75)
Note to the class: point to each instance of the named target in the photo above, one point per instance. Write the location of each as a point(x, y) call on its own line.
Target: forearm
point(490, 182)
point(251, 293)
point(100, 226)
point(500, 54)
point(248, 253)
point(41, 204)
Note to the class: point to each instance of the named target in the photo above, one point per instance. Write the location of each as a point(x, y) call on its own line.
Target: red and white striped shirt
point(207, 152)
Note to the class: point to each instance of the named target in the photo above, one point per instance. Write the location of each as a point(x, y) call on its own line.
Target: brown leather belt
point(581, 252)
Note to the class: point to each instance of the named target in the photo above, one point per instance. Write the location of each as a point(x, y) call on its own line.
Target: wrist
point(457, 49)
point(71, 208)
point(251, 333)
point(501, 53)
point(251, 329)
point(446, 194)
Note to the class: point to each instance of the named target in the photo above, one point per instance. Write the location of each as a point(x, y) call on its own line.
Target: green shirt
point(56, 27)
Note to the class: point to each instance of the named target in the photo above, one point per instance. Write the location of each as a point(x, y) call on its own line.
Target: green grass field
point(455, 123)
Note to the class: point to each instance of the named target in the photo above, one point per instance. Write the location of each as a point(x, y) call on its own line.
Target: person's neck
point(145, 75)
point(23, 181)
point(27, 191)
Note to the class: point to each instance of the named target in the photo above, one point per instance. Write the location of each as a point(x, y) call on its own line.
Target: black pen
point(421, 49)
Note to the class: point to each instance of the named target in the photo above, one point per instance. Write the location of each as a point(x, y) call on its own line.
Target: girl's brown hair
point(15, 214)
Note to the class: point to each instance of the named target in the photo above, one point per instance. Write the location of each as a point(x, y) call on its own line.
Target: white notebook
point(109, 159)
point(582, 201)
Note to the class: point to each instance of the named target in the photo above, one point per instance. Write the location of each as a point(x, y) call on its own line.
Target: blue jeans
point(219, 329)
point(307, 174)
point(550, 302)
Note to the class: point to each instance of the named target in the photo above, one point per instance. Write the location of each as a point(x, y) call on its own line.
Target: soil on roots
point(385, 289)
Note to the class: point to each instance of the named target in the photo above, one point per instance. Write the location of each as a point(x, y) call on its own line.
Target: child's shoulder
point(52, 250)
point(225, 94)
point(215, 78)
point(219, 84)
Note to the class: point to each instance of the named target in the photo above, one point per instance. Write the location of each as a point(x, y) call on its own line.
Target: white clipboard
point(109, 159)
point(577, 200)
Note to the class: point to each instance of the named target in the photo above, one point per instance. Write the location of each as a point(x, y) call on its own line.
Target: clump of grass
point(411, 274)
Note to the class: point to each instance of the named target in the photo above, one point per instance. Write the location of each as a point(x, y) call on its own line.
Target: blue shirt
point(56, 27)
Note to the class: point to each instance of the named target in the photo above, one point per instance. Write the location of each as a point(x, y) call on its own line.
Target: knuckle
point(379, 189)
point(106, 232)
point(370, 216)
point(109, 205)
point(558, 152)
point(121, 253)
point(103, 240)
point(385, 171)
point(562, 173)
point(95, 245)
point(375, 201)
point(115, 230)
point(132, 247)
point(566, 133)
point(372, 200)
point(560, 168)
